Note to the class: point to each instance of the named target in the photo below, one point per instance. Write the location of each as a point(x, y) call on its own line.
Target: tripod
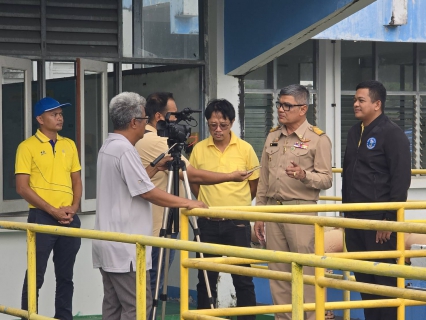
point(170, 221)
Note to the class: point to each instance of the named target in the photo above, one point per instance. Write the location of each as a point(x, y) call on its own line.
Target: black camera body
point(175, 131)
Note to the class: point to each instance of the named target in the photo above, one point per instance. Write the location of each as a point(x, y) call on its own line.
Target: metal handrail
point(319, 260)
point(247, 255)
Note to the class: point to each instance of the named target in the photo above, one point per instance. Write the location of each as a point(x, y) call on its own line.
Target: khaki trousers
point(290, 238)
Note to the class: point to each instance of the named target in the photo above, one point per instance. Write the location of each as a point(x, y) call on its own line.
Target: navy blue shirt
point(379, 170)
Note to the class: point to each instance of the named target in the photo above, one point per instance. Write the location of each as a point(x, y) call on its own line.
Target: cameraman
point(158, 104)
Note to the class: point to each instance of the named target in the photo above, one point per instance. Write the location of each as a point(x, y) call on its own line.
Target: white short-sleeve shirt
point(121, 178)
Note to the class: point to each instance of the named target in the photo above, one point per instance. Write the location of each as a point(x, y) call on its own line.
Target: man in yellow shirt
point(47, 173)
point(223, 151)
point(158, 104)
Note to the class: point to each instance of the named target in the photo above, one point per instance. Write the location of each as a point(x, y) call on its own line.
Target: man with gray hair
point(124, 192)
point(296, 165)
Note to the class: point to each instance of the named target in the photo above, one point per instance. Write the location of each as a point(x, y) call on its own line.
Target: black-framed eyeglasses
point(287, 106)
point(142, 118)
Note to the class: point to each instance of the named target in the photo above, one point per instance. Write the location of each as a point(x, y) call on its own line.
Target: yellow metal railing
point(320, 260)
point(413, 171)
point(32, 229)
point(346, 294)
point(238, 255)
point(340, 170)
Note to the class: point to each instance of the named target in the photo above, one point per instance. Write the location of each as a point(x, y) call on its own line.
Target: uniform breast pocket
point(273, 156)
point(302, 157)
point(299, 152)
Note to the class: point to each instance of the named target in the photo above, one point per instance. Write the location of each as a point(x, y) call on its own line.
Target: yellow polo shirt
point(238, 155)
point(50, 172)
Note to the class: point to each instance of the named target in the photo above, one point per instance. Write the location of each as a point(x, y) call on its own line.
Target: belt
point(296, 201)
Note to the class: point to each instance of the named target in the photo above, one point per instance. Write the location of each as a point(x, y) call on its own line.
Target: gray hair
point(124, 107)
point(298, 92)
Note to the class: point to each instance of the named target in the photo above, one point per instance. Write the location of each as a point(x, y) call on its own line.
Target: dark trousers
point(365, 240)
point(155, 255)
point(64, 252)
point(228, 232)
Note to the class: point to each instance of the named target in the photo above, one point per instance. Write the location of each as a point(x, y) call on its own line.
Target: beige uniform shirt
point(309, 149)
point(149, 148)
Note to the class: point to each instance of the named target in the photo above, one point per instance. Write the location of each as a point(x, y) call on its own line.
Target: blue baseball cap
point(47, 104)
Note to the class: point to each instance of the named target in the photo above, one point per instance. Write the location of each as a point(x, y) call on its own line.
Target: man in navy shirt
point(376, 168)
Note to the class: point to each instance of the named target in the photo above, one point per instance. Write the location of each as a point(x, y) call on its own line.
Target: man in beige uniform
point(296, 165)
point(150, 147)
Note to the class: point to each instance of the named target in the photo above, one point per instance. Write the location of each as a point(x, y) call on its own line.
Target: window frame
point(25, 65)
point(83, 65)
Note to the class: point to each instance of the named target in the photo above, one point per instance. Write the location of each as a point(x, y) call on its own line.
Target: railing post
point(297, 291)
point(31, 272)
point(346, 293)
point(400, 246)
point(141, 282)
point(320, 295)
point(184, 272)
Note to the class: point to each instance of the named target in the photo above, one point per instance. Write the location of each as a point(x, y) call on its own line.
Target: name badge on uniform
point(274, 143)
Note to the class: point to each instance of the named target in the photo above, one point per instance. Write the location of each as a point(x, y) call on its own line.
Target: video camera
point(175, 131)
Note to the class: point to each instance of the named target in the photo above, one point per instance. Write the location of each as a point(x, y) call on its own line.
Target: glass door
point(92, 123)
point(15, 116)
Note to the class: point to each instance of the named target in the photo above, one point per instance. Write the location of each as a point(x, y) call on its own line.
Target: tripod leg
point(164, 295)
point(161, 251)
point(197, 237)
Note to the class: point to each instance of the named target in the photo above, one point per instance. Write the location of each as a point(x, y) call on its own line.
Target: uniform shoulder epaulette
point(317, 130)
point(274, 129)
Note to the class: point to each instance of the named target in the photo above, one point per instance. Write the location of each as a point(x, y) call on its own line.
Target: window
point(400, 109)
point(395, 65)
point(15, 105)
point(395, 69)
point(422, 66)
point(258, 109)
point(13, 113)
point(357, 63)
point(298, 66)
point(261, 88)
point(161, 29)
point(422, 106)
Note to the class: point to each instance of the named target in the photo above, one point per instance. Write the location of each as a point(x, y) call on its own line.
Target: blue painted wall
point(255, 26)
point(368, 24)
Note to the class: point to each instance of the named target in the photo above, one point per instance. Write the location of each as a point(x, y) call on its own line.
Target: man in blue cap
point(47, 171)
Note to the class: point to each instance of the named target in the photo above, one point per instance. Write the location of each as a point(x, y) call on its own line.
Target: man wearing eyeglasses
point(149, 147)
point(223, 151)
point(125, 192)
point(296, 165)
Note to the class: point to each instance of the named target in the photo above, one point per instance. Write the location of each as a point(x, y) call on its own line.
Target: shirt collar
point(117, 136)
point(150, 128)
point(42, 137)
point(300, 132)
point(374, 122)
point(210, 141)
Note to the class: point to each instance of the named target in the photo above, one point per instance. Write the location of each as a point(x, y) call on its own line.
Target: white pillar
point(220, 85)
point(329, 110)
